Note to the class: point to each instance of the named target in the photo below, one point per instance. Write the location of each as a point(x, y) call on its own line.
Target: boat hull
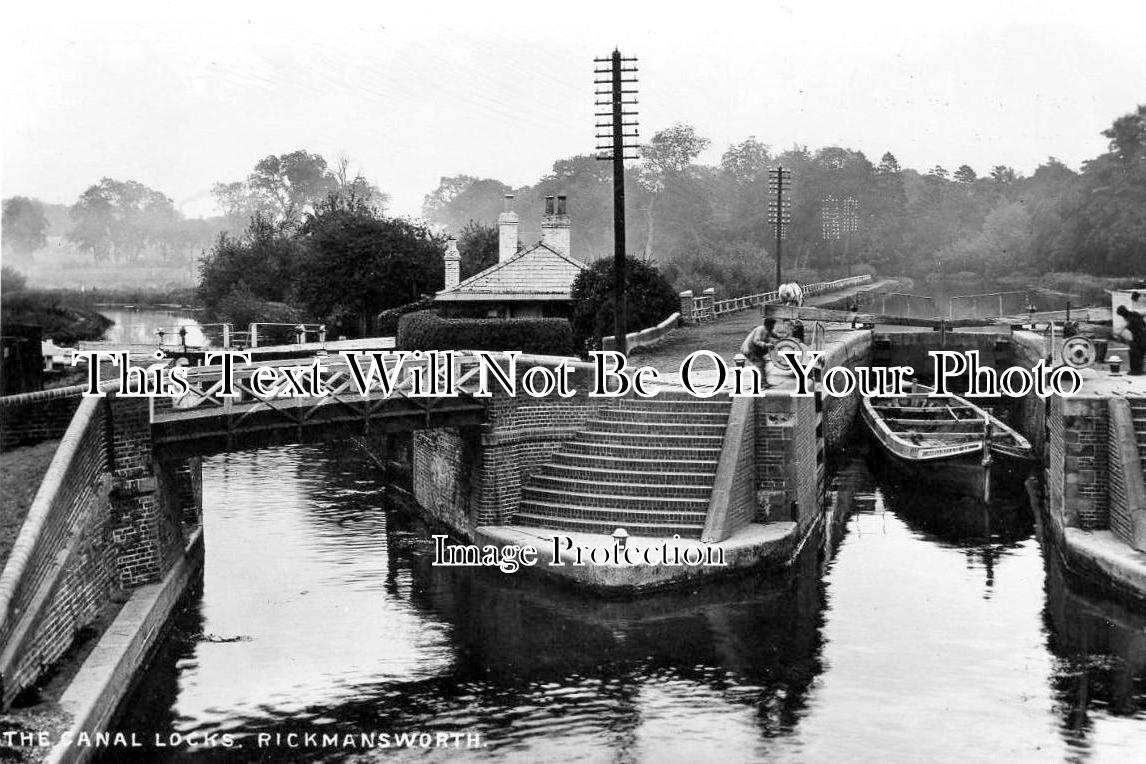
point(965, 475)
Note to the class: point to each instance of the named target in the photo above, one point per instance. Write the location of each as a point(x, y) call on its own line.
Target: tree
point(1003, 175)
point(357, 186)
point(965, 174)
point(888, 164)
point(284, 188)
point(478, 245)
point(745, 161)
point(1128, 136)
point(292, 183)
point(11, 280)
point(261, 264)
point(119, 220)
point(24, 226)
point(461, 198)
point(665, 161)
point(356, 263)
point(649, 298)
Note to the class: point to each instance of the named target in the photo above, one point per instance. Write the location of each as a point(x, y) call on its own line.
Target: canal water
point(914, 629)
point(138, 327)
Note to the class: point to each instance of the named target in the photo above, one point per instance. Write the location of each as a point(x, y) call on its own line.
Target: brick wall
point(102, 519)
point(32, 418)
point(852, 350)
point(446, 473)
point(789, 458)
point(43, 614)
point(1077, 477)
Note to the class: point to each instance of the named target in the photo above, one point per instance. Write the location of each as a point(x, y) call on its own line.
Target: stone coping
point(108, 674)
point(1102, 552)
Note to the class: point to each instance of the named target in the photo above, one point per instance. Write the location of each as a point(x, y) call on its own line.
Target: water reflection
point(913, 629)
point(1099, 676)
point(138, 327)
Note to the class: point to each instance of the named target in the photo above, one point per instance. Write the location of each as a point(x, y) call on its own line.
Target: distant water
point(915, 629)
point(138, 327)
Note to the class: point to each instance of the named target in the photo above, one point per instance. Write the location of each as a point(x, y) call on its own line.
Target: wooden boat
point(948, 442)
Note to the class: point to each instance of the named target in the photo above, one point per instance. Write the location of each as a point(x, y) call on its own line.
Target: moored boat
point(948, 442)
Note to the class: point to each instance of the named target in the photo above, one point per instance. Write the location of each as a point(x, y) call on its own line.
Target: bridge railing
point(206, 385)
point(705, 307)
point(195, 335)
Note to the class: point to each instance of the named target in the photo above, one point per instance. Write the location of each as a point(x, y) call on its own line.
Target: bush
point(241, 307)
point(650, 299)
point(386, 322)
point(59, 320)
point(425, 330)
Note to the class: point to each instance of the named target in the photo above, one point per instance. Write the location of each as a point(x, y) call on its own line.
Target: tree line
point(125, 221)
point(709, 224)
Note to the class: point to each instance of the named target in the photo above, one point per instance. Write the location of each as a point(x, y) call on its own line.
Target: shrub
point(241, 307)
point(650, 299)
point(386, 322)
point(425, 330)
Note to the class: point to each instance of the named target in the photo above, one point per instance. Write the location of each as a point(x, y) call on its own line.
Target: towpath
point(725, 335)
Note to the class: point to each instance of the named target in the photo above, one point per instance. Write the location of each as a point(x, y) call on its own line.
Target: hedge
point(386, 323)
point(426, 330)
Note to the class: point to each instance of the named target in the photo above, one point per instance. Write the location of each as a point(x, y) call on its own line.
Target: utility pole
point(780, 209)
point(614, 149)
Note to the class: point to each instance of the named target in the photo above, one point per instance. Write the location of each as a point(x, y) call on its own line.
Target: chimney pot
point(507, 231)
point(555, 229)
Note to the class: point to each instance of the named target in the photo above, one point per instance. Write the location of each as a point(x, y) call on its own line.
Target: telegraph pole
point(614, 149)
point(780, 210)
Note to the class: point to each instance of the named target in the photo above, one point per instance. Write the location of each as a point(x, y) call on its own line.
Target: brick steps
point(651, 437)
point(628, 427)
point(668, 417)
point(656, 530)
point(655, 453)
point(645, 465)
point(692, 486)
point(669, 500)
point(648, 471)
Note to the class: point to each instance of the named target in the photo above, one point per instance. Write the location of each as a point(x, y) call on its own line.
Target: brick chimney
point(453, 261)
point(555, 224)
point(507, 231)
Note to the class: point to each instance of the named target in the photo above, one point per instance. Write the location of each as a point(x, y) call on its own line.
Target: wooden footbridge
point(206, 421)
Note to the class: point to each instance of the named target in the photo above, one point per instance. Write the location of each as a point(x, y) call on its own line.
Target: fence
point(285, 334)
point(706, 308)
point(989, 305)
point(905, 305)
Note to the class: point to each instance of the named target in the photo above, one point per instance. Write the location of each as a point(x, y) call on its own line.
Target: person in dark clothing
point(758, 344)
point(1135, 332)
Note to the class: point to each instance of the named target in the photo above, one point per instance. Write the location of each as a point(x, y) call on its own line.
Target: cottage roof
point(536, 273)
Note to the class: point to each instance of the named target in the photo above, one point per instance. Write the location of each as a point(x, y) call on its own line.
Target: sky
point(180, 96)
